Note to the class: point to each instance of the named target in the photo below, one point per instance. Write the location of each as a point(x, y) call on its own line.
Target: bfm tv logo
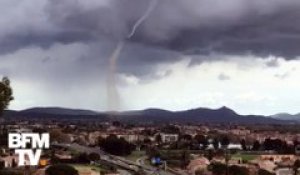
point(21, 141)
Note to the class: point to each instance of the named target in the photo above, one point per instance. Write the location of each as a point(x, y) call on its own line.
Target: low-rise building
point(167, 138)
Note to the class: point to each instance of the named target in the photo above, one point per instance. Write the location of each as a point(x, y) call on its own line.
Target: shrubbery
point(61, 169)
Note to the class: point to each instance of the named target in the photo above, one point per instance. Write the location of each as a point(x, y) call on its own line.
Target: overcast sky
point(187, 54)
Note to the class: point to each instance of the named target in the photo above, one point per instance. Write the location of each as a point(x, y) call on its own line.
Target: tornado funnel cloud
point(149, 10)
point(112, 91)
point(113, 96)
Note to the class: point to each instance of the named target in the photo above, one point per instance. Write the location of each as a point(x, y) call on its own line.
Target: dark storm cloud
point(11, 43)
point(191, 26)
point(139, 59)
point(173, 29)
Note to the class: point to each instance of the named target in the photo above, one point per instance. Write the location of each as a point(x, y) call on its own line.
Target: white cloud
point(254, 90)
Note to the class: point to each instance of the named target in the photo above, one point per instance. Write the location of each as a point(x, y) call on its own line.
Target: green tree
point(82, 158)
point(200, 172)
point(185, 159)
point(218, 168)
point(264, 172)
point(117, 146)
point(2, 165)
point(94, 157)
point(186, 137)
point(153, 152)
point(147, 141)
point(6, 94)
point(59, 136)
point(256, 145)
point(225, 141)
point(243, 143)
point(215, 143)
point(296, 166)
point(158, 139)
point(201, 139)
point(61, 169)
point(237, 170)
point(209, 154)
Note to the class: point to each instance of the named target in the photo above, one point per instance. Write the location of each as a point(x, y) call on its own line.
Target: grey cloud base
point(191, 26)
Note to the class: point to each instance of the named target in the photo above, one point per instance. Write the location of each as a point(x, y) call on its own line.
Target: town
point(200, 149)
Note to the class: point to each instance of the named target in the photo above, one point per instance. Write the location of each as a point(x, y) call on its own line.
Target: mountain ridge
point(59, 110)
point(154, 115)
point(287, 116)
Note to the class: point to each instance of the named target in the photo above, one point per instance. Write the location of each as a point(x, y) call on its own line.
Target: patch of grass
point(91, 168)
point(135, 155)
point(245, 157)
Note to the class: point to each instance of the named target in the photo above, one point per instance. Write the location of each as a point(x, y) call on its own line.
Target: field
point(136, 155)
point(245, 157)
point(87, 169)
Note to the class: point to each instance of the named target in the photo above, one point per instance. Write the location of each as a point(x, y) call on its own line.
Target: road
point(141, 160)
point(116, 160)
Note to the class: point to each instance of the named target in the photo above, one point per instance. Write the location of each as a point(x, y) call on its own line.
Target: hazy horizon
point(158, 108)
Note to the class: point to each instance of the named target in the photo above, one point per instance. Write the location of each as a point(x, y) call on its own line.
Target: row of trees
point(6, 94)
point(221, 169)
point(277, 145)
point(61, 169)
point(116, 146)
point(188, 142)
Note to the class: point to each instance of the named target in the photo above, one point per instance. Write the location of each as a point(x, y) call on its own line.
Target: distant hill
point(198, 115)
point(54, 113)
point(286, 116)
point(58, 110)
